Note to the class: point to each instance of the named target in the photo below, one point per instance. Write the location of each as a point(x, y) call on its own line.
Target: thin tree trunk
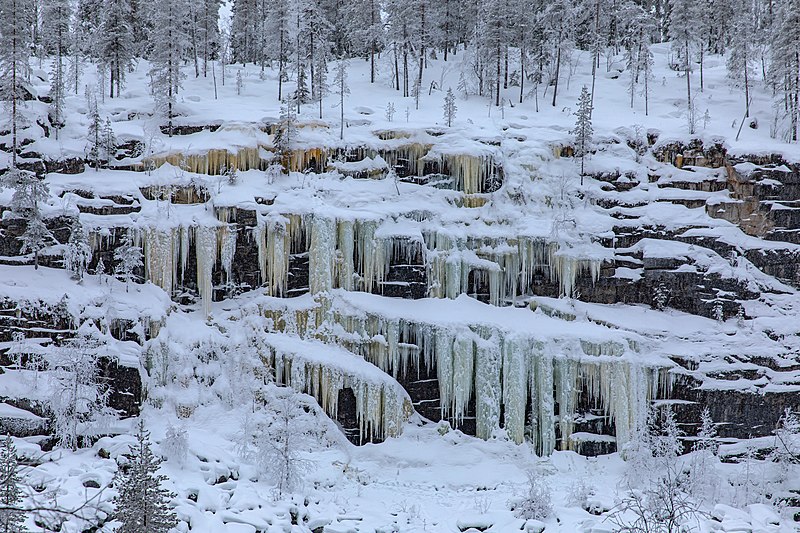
point(558, 69)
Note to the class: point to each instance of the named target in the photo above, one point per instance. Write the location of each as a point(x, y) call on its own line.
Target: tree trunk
point(558, 69)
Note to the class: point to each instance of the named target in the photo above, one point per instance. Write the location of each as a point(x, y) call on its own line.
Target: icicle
point(227, 250)
point(444, 371)
point(321, 254)
point(566, 373)
point(487, 387)
point(515, 379)
point(346, 245)
point(463, 369)
point(206, 249)
point(542, 390)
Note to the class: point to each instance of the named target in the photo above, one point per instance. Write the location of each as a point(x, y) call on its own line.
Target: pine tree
point(16, 19)
point(286, 134)
point(108, 141)
point(785, 64)
point(78, 253)
point(142, 504)
point(684, 40)
point(342, 90)
point(94, 136)
point(56, 15)
point(367, 35)
point(12, 518)
point(583, 128)
point(449, 107)
point(128, 259)
point(29, 193)
point(115, 45)
point(169, 45)
point(742, 52)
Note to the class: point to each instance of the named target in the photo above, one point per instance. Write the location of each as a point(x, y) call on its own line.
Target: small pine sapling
point(12, 517)
point(142, 503)
point(78, 253)
point(583, 128)
point(239, 82)
point(449, 107)
point(390, 111)
point(128, 258)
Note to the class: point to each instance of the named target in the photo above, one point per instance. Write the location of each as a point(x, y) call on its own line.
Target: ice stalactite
point(274, 244)
point(322, 254)
point(227, 249)
point(566, 392)
point(488, 395)
point(541, 383)
point(205, 240)
point(463, 372)
point(366, 250)
point(162, 251)
point(344, 257)
point(515, 354)
point(444, 371)
point(469, 172)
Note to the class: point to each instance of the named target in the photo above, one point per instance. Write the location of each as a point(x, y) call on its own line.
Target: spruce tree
point(94, 135)
point(12, 518)
point(16, 20)
point(115, 46)
point(78, 253)
point(128, 259)
point(583, 127)
point(169, 42)
point(449, 107)
point(742, 52)
point(785, 65)
point(56, 15)
point(142, 504)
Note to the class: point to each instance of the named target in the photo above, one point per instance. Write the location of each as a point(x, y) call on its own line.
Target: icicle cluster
point(518, 381)
point(382, 405)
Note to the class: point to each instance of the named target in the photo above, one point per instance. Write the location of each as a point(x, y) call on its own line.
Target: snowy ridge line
point(506, 363)
point(322, 371)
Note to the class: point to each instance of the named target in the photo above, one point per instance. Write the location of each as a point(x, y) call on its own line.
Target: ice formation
point(503, 370)
point(323, 371)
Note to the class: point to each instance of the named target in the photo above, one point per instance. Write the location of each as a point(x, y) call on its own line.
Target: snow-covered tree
point(342, 89)
point(449, 107)
point(684, 39)
point(286, 133)
point(36, 237)
point(16, 19)
point(128, 259)
point(78, 397)
point(583, 128)
point(94, 134)
point(785, 65)
point(142, 503)
point(56, 15)
point(114, 42)
point(108, 141)
point(786, 451)
point(656, 500)
point(12, 517)
point(367, 32)
point(742, 52)
point(536, 503)
point(169, 47)
point(78, 253)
